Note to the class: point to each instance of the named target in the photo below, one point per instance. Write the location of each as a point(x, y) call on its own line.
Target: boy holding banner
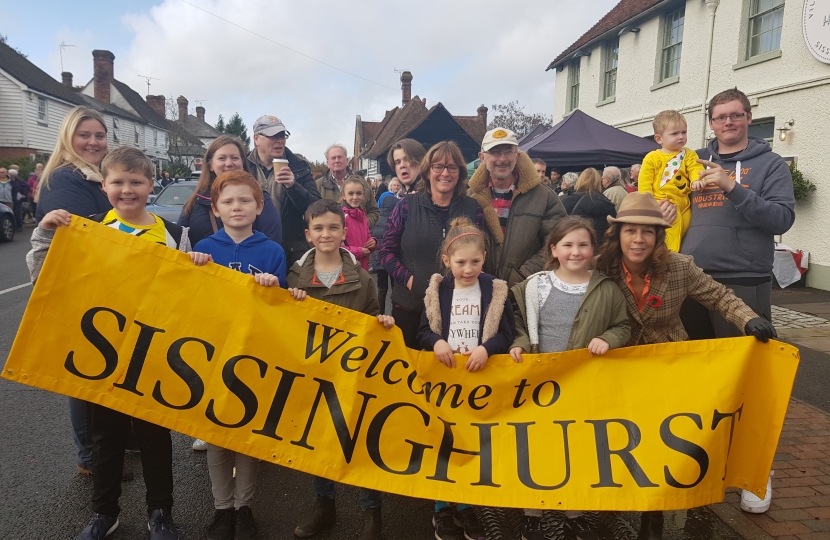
point(127, 182)
point(332, 274)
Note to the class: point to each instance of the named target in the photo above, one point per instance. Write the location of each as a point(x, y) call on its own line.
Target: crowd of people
point(518, 259)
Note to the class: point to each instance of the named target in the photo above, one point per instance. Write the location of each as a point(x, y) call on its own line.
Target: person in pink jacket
point(359, 240)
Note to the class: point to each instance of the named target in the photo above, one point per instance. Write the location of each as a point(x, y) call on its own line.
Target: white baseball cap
point(498, 136)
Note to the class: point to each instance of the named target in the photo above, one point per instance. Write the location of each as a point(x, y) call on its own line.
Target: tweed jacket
point(660, 321)
point(520, 252)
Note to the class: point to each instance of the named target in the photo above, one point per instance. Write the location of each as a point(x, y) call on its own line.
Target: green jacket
point(355, 290)
point(602, 314)
point(329, 190)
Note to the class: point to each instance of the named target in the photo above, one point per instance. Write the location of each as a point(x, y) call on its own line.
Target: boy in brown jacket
point(332, 274)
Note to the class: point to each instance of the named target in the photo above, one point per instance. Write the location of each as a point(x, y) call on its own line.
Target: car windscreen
point(174, 195)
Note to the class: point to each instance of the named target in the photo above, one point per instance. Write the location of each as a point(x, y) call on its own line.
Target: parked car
point(169, 202)
point(157, 187)
point(6, 223)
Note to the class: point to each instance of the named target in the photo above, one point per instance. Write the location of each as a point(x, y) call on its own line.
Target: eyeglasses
point(734, 117)
point(438, 168)
point(500, 153)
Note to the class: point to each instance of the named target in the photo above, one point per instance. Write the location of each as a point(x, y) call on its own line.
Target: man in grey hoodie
point(747, 200)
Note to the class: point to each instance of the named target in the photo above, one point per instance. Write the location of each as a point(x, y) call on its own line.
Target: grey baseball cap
point(269, 126)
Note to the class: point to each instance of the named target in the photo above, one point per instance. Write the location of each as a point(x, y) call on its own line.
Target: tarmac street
point(45, 498)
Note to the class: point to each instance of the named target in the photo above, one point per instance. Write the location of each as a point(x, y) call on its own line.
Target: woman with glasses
point(416, 229)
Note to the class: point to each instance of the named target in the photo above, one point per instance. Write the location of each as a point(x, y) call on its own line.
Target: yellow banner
point(136, 327)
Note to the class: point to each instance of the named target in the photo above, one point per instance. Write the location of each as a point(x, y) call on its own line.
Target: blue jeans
point(81, 432)
point(369, 498)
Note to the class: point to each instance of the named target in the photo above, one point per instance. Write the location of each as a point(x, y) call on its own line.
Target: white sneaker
point(199, 445)
point(752, 504)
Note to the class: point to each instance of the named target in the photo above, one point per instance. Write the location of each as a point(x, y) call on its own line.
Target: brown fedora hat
point(640, 209)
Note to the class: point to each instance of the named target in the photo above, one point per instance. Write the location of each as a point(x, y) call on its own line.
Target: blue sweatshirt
point(256, 254)
point(731, 235)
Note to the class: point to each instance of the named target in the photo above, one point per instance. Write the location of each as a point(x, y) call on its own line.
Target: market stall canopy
point(533, 133)
point(582, 141)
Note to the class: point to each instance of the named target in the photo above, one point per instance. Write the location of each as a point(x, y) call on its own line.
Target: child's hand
point(297, 294)
point(387, 321)
point(598, 347)
point(371, 244)
point(477, 358)
point(54, 219)
point(516, 353)
point(444, 354)
point(199, 259)
point(267, 280)
point(698, 185)
point(365, 250)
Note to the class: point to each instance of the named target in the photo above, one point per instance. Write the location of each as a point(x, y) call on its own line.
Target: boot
point(651, 526)
point(321, 516)
point(372, 525)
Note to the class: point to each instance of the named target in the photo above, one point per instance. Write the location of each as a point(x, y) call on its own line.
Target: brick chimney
point(482, 113)
point(406, 87)
point(182, 101)
point(158, 104)
point(102, 62)
point(66, 79)
point(200, 113)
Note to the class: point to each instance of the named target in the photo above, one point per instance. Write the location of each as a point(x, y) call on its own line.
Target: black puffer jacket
point(594, 206)
point(386, 207)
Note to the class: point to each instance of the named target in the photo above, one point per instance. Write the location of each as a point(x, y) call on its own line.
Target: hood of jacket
point(222, 238)
point(755, 148)
point(479, 184)
point(305, 272)
point(328, 180)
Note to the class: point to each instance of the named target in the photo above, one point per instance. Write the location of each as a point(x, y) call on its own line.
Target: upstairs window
point(136, 133)
point(766, 18)
point(41, 110)
point(573, 85)
point(612, 52)
point(672, 44)
point(155, 138)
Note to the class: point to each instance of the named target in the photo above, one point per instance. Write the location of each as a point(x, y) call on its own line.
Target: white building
point(32, 107)
point(646, 56)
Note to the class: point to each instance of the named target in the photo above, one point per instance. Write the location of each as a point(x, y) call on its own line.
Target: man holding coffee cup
point(287, 178)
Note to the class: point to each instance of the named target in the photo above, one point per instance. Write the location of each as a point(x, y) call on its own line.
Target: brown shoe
point(372, 525)
point(322, 516)
point(85, 469)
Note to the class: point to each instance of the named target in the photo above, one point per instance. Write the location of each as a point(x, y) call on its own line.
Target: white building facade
point(638, 64)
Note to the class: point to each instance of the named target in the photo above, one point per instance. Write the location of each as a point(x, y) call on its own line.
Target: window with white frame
point(612, 52)
point(41, 110)
point(766, 18)
point(115, 129)
point(136, 133)
point(763, 129)
point(155, 138)
point(573, 85)
point(672, 44)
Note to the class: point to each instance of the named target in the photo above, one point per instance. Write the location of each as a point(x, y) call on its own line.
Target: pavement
point(44, 498)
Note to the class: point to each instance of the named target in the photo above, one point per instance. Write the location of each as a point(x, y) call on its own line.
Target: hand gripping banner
point(134, 326)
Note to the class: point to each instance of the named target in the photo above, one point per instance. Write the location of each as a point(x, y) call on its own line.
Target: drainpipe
point(712, 6)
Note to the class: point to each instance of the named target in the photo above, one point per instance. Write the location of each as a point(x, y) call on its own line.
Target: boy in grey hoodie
point(748, 199)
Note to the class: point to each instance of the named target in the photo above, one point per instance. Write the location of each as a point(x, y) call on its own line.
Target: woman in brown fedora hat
point(655, 282)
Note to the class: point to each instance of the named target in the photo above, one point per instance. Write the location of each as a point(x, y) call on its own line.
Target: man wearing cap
point(292, 189)
point(330, 183)
point(519, 211)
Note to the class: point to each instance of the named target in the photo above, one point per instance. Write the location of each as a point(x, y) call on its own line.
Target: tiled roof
point(35, 78)
point(378, 137)
point(109, 108)
point(619, 14)
point(199, 128)
point(140, 106)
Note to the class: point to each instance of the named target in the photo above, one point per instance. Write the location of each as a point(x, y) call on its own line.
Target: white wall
point(42, 136)
point(11, 126)
point(793, 86)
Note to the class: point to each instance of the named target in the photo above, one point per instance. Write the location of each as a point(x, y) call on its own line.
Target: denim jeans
point(80, 430)
point(369, 498)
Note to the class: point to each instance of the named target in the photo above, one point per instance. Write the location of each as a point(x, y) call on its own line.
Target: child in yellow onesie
point(671, 172)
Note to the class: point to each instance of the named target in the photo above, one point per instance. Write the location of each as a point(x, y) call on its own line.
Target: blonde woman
point(72, 180)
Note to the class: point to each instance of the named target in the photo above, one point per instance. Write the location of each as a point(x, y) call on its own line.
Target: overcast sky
point(462, 54)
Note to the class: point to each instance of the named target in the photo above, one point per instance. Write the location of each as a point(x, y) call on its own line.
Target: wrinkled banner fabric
point(136, 327)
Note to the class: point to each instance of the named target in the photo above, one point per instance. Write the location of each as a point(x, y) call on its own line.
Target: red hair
point(233, 178)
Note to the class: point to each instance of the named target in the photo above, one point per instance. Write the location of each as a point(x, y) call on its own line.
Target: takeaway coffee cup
point(279, 164)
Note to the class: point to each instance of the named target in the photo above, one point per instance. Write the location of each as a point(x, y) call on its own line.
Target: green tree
point(513, 117)
point(237, 128)
point(220, 125)
point(5, 39)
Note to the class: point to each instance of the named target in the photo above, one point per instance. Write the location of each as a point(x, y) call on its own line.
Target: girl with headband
point(466, 313)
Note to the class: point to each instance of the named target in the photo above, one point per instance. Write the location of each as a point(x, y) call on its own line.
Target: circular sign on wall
point(815, 26)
